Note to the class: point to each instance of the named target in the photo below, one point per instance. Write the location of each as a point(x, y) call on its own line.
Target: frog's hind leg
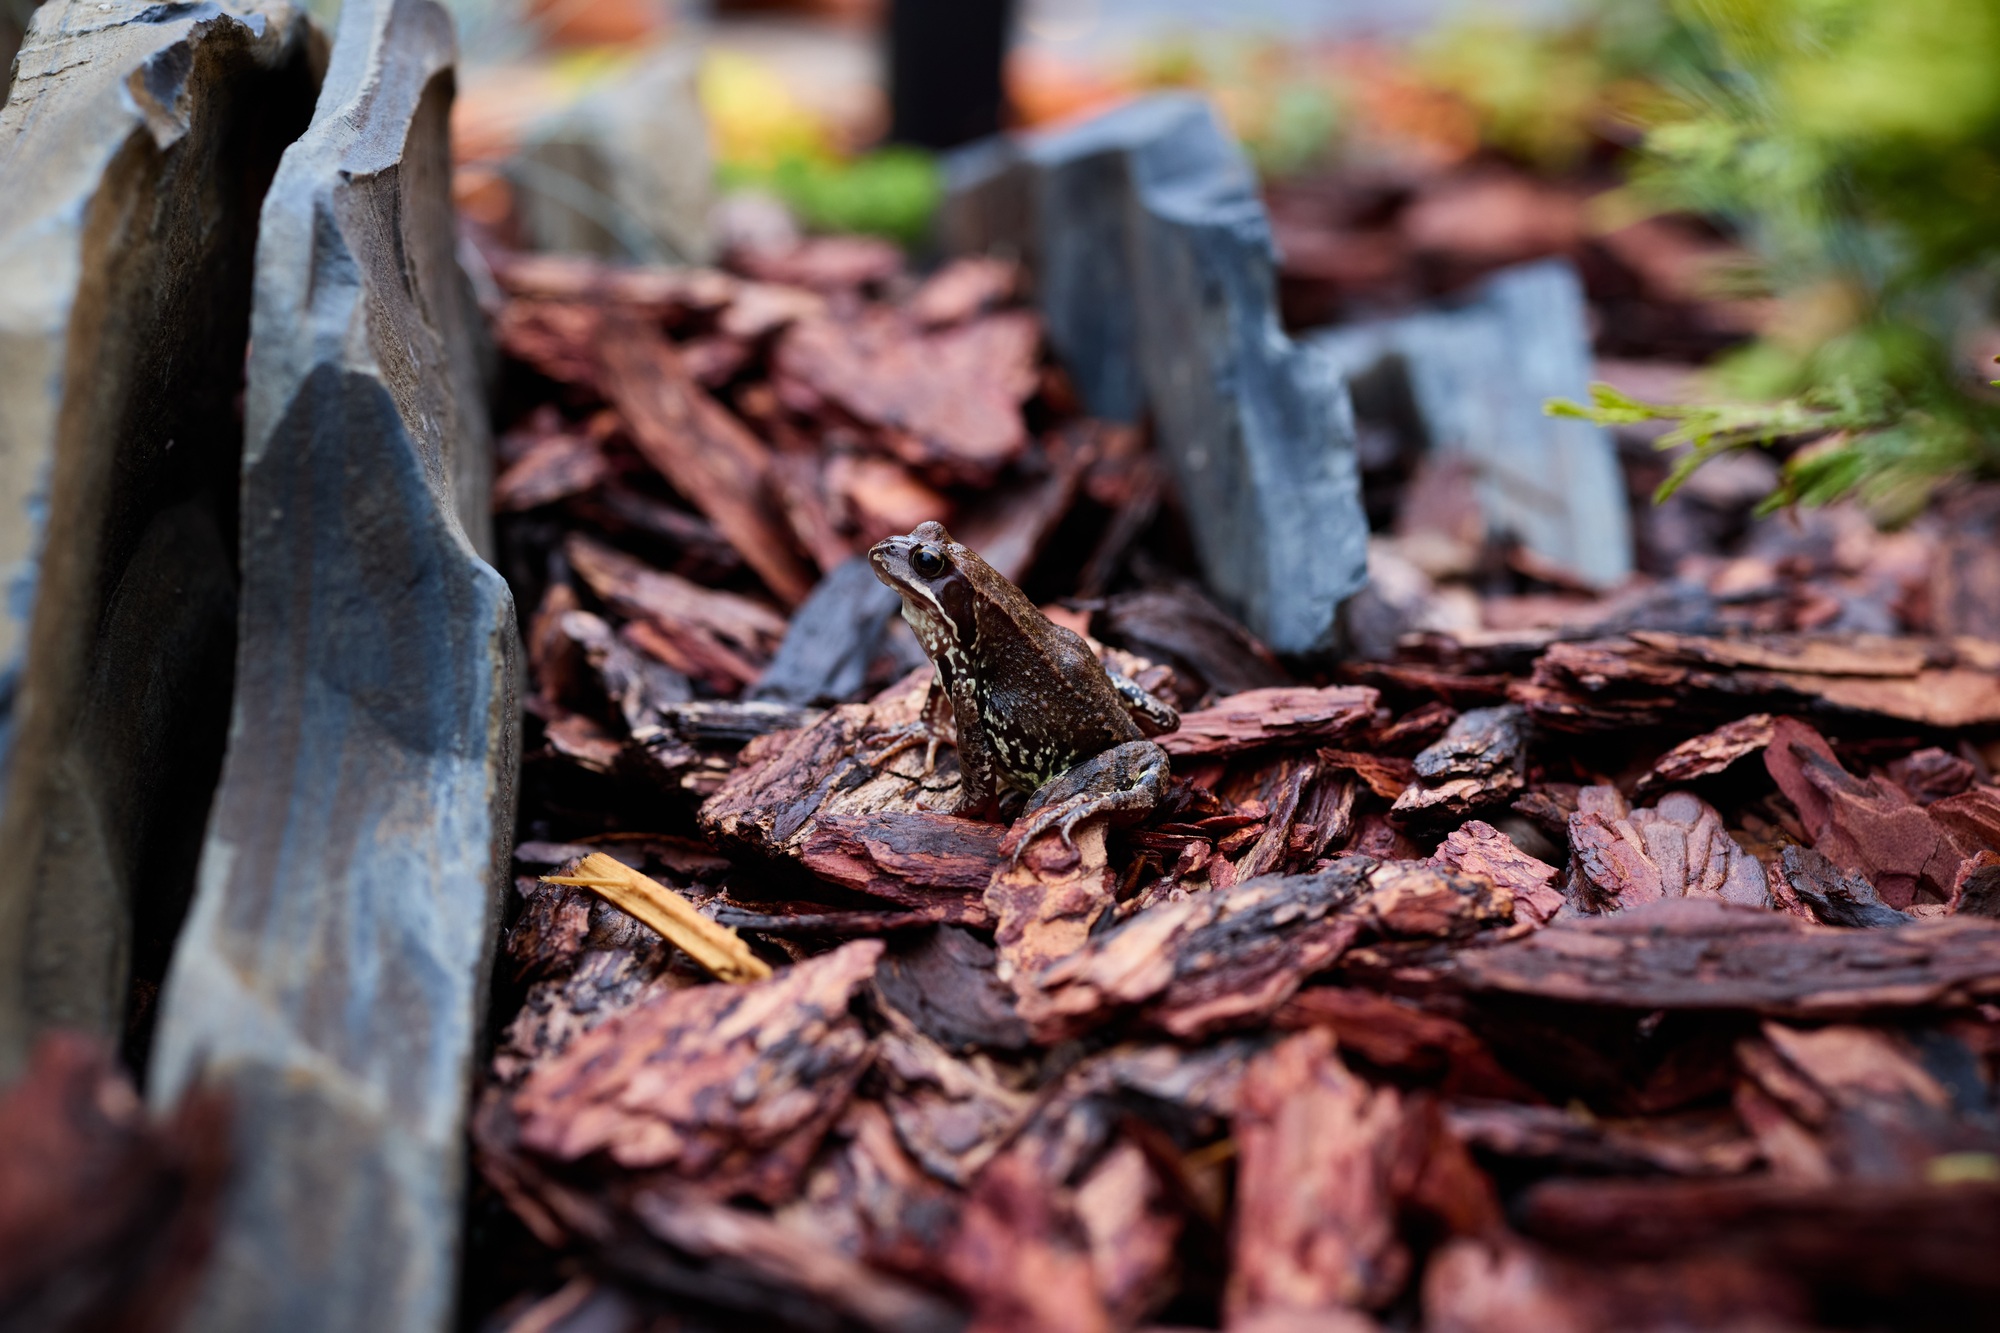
point(1125, 782)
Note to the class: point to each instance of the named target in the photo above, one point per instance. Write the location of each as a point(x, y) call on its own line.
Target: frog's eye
point(928, 563)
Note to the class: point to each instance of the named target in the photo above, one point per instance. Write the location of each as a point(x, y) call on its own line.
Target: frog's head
point(938, 579)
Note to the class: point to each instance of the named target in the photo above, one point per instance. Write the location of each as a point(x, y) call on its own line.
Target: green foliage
point(891, 192)
point(1540, 93)
point(1856, 145)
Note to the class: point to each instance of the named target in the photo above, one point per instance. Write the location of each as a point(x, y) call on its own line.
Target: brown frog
point(1032, 706)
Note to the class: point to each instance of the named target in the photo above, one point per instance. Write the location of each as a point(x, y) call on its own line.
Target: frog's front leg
point(1124, 782)
point(931, 728)
point(978, 781)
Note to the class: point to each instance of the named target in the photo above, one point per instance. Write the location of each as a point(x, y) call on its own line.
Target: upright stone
point(133, 150)
point(1469, 382)
point(333, 968)
point(1152, 263)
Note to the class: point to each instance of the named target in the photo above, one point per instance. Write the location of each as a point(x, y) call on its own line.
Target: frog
point(1032, 707)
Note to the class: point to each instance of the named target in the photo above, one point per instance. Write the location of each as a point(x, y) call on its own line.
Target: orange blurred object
point(598, 22)
point(1043, 89)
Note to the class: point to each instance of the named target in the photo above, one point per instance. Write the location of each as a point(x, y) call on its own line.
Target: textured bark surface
point(1695, 954)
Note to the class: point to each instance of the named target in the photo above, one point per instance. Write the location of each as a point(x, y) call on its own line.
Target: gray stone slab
point(625, 171)
point(836, 632)
point(132, 148)
point(1470, 382)
point(1153, 269)
point(333, 969)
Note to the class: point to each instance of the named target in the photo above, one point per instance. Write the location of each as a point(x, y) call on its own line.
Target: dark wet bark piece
point(1695, 1143)
point(106, 1215)
point(786, 780)
point(951, 1115)
point(867, 1198)
point(1396, 1035)
point(1708, 754)
point(1010, 524)
point(706, 453)
point(1220, 959)
point(1548, 806)
point(949, 402)
point(1179, 626)
point(1410, 733)
point(915, 859)
point(1477, 848)
point(1972, 817)
point(963, 289)
point(693, 747)
point(1480, 1286)
point(1882, 1239)
point(555, 467)
point(1283, 785)
point(729, 1088)
point(1272, 717)
point(1930, 775)
point(1707, 955)
point(660, 291)
point(824, 263)
point(1872, 1104)
point(1977, 889)
point(1045, 906)
point(1385, 775)
point(548, 934)
point(1653, 679)
point(1866, 825)
point(1836, 898)
point(1021, 1255)
point(945, 982)
point(703, 633)
point(1131, 1224)
point(1624, 858)
point(750, 1261)
point(1315, 1221)
point(1478, 763)
point(580, 662)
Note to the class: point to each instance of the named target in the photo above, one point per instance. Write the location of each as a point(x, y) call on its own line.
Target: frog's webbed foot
point(1124, 782)
point(905, 737)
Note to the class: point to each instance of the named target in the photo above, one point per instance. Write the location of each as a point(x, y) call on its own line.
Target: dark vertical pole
point(945, 63)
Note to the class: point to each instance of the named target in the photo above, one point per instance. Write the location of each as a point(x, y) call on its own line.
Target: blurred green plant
point(890, 192)
point(1856, 146)
point(1286, 106)
point(764, 138)
point(1542, 93)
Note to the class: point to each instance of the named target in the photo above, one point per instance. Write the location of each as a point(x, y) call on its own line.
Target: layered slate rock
point(1152, 263)
point(133, 150)
point(1469, 383)
point(331, 975)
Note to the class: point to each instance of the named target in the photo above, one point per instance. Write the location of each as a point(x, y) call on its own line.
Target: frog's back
point(1046, 704)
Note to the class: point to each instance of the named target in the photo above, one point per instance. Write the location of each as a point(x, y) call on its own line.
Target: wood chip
point(1315, 1217)
point(701, 449)
point(1477, 848)
point(1706, 955)
point(1282, 715)
point(729, 1088)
